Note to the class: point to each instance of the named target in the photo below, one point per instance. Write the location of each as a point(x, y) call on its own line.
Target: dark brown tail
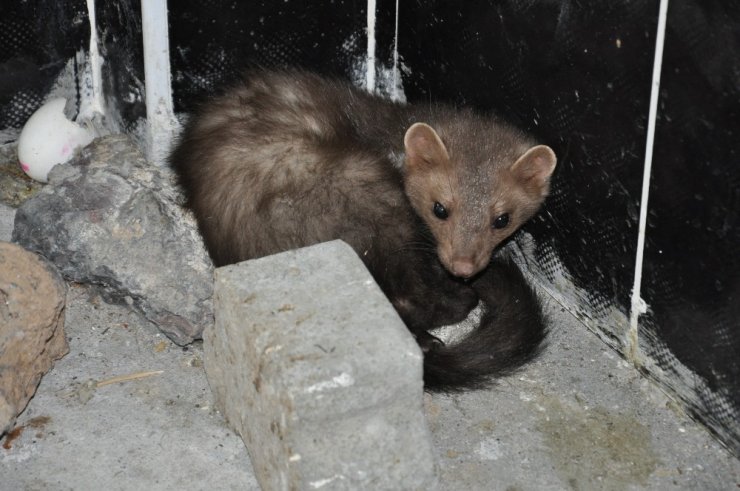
point(510, 333)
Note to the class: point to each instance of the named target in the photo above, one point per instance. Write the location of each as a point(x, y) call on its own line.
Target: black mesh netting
point(39, 46)
point(36, 41)
point(213, 41)
point(578, 75)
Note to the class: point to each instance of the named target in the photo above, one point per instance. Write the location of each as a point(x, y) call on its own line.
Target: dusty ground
point(578, 418)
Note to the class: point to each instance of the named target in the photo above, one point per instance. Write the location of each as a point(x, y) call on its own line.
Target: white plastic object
point(49, 138)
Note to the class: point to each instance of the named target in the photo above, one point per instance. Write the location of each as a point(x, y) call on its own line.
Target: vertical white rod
point(394, 94)
point(370, 73)
point(638, 304)
point(96, 102)
point(159, 110)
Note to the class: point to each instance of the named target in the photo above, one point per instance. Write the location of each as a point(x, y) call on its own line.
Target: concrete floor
point(577, 418)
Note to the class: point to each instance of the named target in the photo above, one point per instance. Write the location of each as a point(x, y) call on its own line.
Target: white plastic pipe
point(160, 115)
point(370, 72)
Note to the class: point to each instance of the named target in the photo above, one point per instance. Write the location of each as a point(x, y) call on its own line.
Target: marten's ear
point(534, 168)
point(424, 148)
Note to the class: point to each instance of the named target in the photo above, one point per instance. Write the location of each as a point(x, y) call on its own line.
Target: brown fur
point(289, 159)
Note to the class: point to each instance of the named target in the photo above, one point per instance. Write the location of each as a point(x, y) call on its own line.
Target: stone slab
point(312, 366)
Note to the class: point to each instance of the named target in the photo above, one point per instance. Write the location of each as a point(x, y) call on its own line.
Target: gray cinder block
point(312, 366)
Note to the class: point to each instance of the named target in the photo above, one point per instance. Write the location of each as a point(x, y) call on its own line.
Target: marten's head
point(474, 183)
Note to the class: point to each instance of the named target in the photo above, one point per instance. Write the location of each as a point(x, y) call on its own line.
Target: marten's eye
point(440, 211)
point(501, 222)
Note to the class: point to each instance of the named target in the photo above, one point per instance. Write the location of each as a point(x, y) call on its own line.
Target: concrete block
point(312, 366)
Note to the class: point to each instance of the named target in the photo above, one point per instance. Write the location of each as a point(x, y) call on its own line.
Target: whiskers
point(416, 246)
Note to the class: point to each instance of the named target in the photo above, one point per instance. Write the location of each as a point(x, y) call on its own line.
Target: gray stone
point(110, 219)
point(312, 366)
point(7, 215)
point(32, 300)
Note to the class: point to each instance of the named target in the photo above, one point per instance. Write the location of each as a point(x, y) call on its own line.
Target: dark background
point(575, 74)
point(36, 40)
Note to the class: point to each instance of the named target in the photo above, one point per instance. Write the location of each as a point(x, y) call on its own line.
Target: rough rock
point(111, 219)
point(7, 215)
point(313, 367)
point(32, 300)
